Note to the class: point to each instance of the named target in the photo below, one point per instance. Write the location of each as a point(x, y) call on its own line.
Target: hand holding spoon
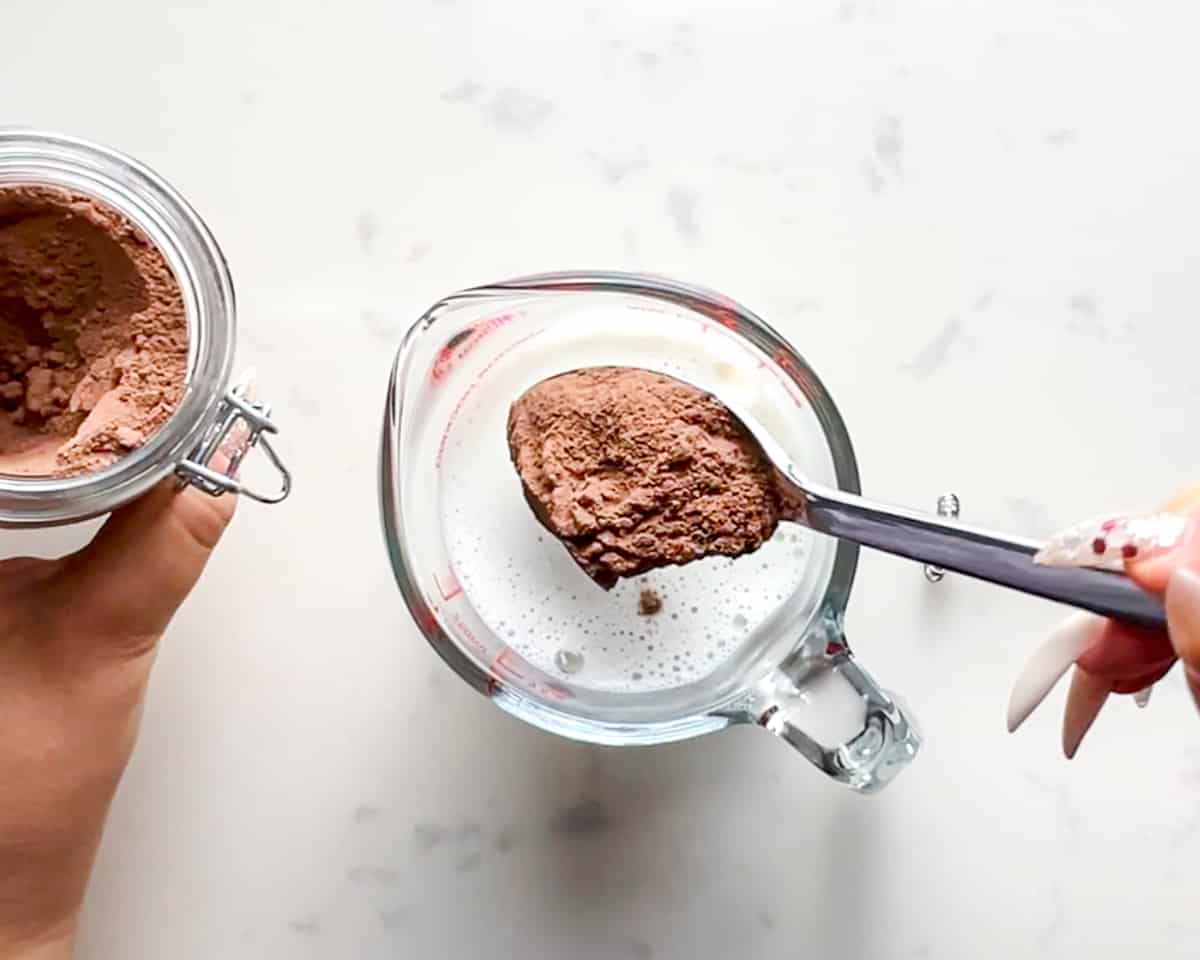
point(633, 469)
point(994, 557)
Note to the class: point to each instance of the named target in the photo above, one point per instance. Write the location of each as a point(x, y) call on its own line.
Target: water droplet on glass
point(740, 621)
point(568, 661)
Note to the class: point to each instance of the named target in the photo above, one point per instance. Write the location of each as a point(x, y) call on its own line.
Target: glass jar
point(213, 417)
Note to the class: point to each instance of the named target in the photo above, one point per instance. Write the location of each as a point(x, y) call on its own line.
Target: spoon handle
point(976, 553)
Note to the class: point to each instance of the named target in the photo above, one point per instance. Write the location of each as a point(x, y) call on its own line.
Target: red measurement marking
point(511, 667)
point(471, 389)
point(469, 637)
point(555, 692)
point(462, 344)
point(451, 590)
point(503, 664)
point(784, 361)
point(794, 374)
point(427, 620)
point(727, 318)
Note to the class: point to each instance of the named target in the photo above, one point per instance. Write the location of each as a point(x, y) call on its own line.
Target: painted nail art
point(1106, 543)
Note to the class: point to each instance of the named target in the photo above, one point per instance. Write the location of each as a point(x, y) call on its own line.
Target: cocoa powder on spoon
point(633, 470)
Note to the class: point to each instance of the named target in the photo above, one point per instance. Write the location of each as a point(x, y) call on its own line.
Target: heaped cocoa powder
point(634, 470)
point(93, 334)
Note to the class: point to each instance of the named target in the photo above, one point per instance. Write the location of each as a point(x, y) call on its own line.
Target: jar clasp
point(241, 424)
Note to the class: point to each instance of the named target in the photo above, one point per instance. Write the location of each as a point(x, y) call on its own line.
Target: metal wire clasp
point(239, 426)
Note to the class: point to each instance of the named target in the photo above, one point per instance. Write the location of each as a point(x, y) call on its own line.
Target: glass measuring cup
point(755, 640)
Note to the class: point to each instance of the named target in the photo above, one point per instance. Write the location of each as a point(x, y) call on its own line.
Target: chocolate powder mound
point(634, 470)
point(93, 334)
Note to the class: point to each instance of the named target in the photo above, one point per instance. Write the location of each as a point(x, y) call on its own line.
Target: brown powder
point(649, 603)
point(93, 334)
point(634, 470)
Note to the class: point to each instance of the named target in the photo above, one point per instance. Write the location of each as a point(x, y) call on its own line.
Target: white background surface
point(976, 219)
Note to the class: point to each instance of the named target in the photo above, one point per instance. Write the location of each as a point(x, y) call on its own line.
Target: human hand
point(1116, 658)
point(78, 637)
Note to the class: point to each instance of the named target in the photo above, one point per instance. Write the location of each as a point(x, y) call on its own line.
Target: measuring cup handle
point(830, 709)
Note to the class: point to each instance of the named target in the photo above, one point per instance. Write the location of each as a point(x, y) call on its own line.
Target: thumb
point(1183, 620)
point(129, 581)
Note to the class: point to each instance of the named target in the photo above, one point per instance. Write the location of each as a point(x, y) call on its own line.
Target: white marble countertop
point(976, 219)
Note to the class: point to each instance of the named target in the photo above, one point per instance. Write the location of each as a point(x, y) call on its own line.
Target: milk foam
point(521, 581)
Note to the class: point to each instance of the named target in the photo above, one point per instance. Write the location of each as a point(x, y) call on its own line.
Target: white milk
point(520, 579)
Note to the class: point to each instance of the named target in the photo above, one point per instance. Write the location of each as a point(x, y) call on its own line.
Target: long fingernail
point(1183, 614)
point(1193, 682)
point(1070, 640)
point(1107, 543)
point(1183, 623)
point(1084, 702)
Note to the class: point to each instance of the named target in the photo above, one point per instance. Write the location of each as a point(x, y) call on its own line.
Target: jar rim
point(37, 157)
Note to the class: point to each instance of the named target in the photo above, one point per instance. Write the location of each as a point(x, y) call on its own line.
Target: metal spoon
point(993, 557)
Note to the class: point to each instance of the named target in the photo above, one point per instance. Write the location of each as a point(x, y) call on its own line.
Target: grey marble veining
point(975, 220)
